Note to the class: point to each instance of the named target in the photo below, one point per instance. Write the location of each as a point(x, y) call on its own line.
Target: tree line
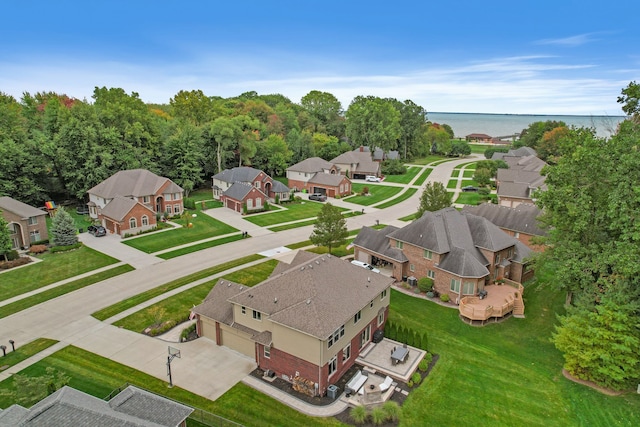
point(55, 145)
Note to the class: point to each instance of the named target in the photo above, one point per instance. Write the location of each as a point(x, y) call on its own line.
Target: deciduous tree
point(330, 229)
point(630, 99)
point(324, 109)
point(5, 237)
point(434, 197)
point(373, 122)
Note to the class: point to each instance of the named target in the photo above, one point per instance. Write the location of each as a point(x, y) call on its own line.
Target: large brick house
point(127, 202)
point(307, 323)
point(246, 186)
point(520, 222)
point(26, 223)
point(357, 164)
point(461, 252)
point(522, 179)
point(317, 175)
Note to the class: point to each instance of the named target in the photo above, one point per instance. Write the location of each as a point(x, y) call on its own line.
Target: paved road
point(205, 368)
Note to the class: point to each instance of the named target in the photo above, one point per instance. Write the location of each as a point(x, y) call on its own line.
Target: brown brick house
point(357, 164)
point(522, 179)
point(309, 320)
point(461, 252)
point(317, 175)
point(26, 223)
point(248, 186)
point(127, 202)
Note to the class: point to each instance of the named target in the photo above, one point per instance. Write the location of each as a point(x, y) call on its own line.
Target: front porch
point(501, 300)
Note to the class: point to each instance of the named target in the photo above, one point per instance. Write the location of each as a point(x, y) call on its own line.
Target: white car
point(365, 265)
point(372, 178)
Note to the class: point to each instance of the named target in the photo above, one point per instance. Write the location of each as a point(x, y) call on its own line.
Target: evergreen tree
point(330, 229)
point(5, 237)
point(63, 229)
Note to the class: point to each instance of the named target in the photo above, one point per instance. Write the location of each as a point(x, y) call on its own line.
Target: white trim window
point(346, 352)
point(431, 274)
point(469, 288)
point(145, 220)
point(357, 317)
point(428, 254)
point(33, 220)
point(133, 223)
point(381, 318)
point(167, 196)
point(34, 236)
point(455, 285)
point(168, 209)
point(337, 334)
point(257, 315)
point(333, 365)
point(383, 294)
point(145, 199)
point(176, 208)
point(267, 351)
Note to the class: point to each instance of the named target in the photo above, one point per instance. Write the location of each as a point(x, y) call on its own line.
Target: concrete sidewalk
point(112, 245)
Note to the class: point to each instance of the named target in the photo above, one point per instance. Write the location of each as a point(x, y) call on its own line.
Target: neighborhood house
point(307, 323)
point(26, 224)
point(357, 164)
point(246, 186)
point(316, 175)
point(519, 183)
point(128, 201)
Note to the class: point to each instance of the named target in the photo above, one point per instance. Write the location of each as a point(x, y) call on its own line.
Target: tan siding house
point(26, 223)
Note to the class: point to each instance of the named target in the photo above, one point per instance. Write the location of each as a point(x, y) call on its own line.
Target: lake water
point(508, 124)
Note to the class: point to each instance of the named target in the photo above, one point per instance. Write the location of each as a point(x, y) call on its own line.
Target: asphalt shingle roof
point(238, 190)
point(119, 207)
point(377, 241)
point(322, 178)
point(310, 165)
point(363, 161)
point(216, 305)
point(522, 218)
point(133, 182)
point(239, 174)
point(19, 208)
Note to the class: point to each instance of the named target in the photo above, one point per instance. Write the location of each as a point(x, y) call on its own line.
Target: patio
point(376, 358)
point(501, 300)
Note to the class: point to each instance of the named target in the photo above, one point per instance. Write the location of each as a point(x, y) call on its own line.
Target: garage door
point(363, 256)
point(320, 190)
point(208, 328)
point(238, 343)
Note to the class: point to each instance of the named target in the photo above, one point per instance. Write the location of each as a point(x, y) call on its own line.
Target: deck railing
point(469, 306)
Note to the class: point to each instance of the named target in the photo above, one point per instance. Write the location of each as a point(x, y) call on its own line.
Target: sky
point(506, 57)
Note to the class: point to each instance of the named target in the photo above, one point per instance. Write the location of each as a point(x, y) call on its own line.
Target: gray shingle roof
point(216, 305)
point(120, 206)
point(377, 241)
point(238, 190)
point(301, 257)
point(279, 187)
point(522, 218)
point(322, 178)
point(131, 408)
point(316, 298)
point(133, 182)
point(363, 161)
point(23, 210)
point(310, 165)
point(239, 174)
point(487, 235)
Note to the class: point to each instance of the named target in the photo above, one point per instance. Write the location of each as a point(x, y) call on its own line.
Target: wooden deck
point(501, 300)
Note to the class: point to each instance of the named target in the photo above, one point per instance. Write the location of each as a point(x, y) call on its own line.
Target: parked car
point(372, 178)
point(318, 197)
point(365, 265)
point(469, 188)
point(97, 230)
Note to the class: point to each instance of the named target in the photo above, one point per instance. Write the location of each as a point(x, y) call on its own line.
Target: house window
point(431, 274)
point(244, 310)
point(364, 336)
point(357, 317)
point(346, 352)
point(176, 208)
point(339, 333)
point(145, 220)
point(497, 258)
point(333, 365)
point(168, 209)
point(383, 294)
point(257, 315)
point(341, 188)
point(132, 223)
point(455, 285)
point(399, 244)
point(34, 236)
point(381, 318)
point(13, 228)
point(145, 199)
point(249, 203)
point(428, 254)
point(176, 196)
point(412, 267)
point(267, 352)
point(469, 288)
point(33, 220)
point(371, 304)
point(509, 253)
point(516, 235)
point(167, 196)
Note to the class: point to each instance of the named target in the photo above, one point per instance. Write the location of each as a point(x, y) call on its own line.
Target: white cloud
point(572, 41)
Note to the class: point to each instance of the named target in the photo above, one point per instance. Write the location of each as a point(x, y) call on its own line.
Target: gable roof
point(522, 218)
point(377, 241)
point(120, 206)
point(316, 298)
point(301, 257)
point(132, 407)
point(133, 183)
point(361, 161)
point(239, 190)
point(238, 174)
point(216, 305)
point(322, 178)
point(278, 187)
point(310, 165)
point(19, 208)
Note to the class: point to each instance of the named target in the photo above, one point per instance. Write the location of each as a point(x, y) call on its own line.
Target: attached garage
point(208, 328)
point(237, 340)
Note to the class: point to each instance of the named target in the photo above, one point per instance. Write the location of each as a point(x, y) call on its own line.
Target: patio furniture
point(356, 382)
point(386, 384)
point(399, 355)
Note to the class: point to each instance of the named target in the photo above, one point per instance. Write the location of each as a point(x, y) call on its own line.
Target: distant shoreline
point(529, 115)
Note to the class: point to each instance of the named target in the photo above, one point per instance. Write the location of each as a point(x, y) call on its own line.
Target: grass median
point(404, 196)
point(423, 176)
point(23, 352)
point(377, 193)
point(199, 247)
point(412, 171)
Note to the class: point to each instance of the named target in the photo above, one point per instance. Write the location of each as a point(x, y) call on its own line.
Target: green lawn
point(412, 171)
point(408, 217)
point(474, 198)
point(480, 148)
point(377, 193)
point(468, 173)
point(427, 160)
point(126, 304)
point(81, 221)
point(294, 211)
point(404, 196)
point(23, 352)
point(99, 376)
point(203, 227)
point(506, 374)
point(452, 183)
point(53, 268)
point(201, 194)
point(200, 246)
point(466, 182)
point(455, 173)
point(24, 303)
point(177, 307)
point(423, 176)
point(293, 225)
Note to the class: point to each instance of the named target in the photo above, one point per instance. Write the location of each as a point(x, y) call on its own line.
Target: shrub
point(410, 384)
point(245, 210)
point(37, 249)
point(358, 414)
point(430, 294)
point(186, 332)
point(391, 410)
point(41, 242)
point(425, 284)
point(378, 416)
point(416, 378)
point(189, 204)
point(65, 248)
point(483, 191)
point(6, 265)
point(416, 290)
point(423, 365)
point(393, 167)
point(365, 190)
point(444, 298)
point(12, 255)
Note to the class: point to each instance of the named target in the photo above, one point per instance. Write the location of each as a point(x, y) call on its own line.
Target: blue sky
point(520, 57)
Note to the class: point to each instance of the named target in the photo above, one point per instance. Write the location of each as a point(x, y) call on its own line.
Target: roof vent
point(317, 262)
point(309, 301)
point(275, 300)
point(302, 268)
point(368, 279)
point(310, 266)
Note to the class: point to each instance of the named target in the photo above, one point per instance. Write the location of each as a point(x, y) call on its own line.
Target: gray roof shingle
point(238, 190)
point(377, 241)
point(19, 208)
point(310, 165)
point(216, 305)
point(120, 206)
point(522, 218)
point(133, 182)
point(141, 404)
point(362, 161)
point(239, 174)
point(322, 178)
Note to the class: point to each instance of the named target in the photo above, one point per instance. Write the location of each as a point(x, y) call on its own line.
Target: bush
point(416, 378)
point(392, 410)
point(483, 191)
point(378, 416)
point(445, 298)
point(365, 190)
point(37, 249)
point(430, 294)
point(425, 284)
point(41, 242)
point(358, 414)
point(6, 265)
point(189, 204)
point(393, 167)
point(65, 248)
point(423, 365)
point(186, 332)
point(428, 358)
point(410, 384)
point(12, 255)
